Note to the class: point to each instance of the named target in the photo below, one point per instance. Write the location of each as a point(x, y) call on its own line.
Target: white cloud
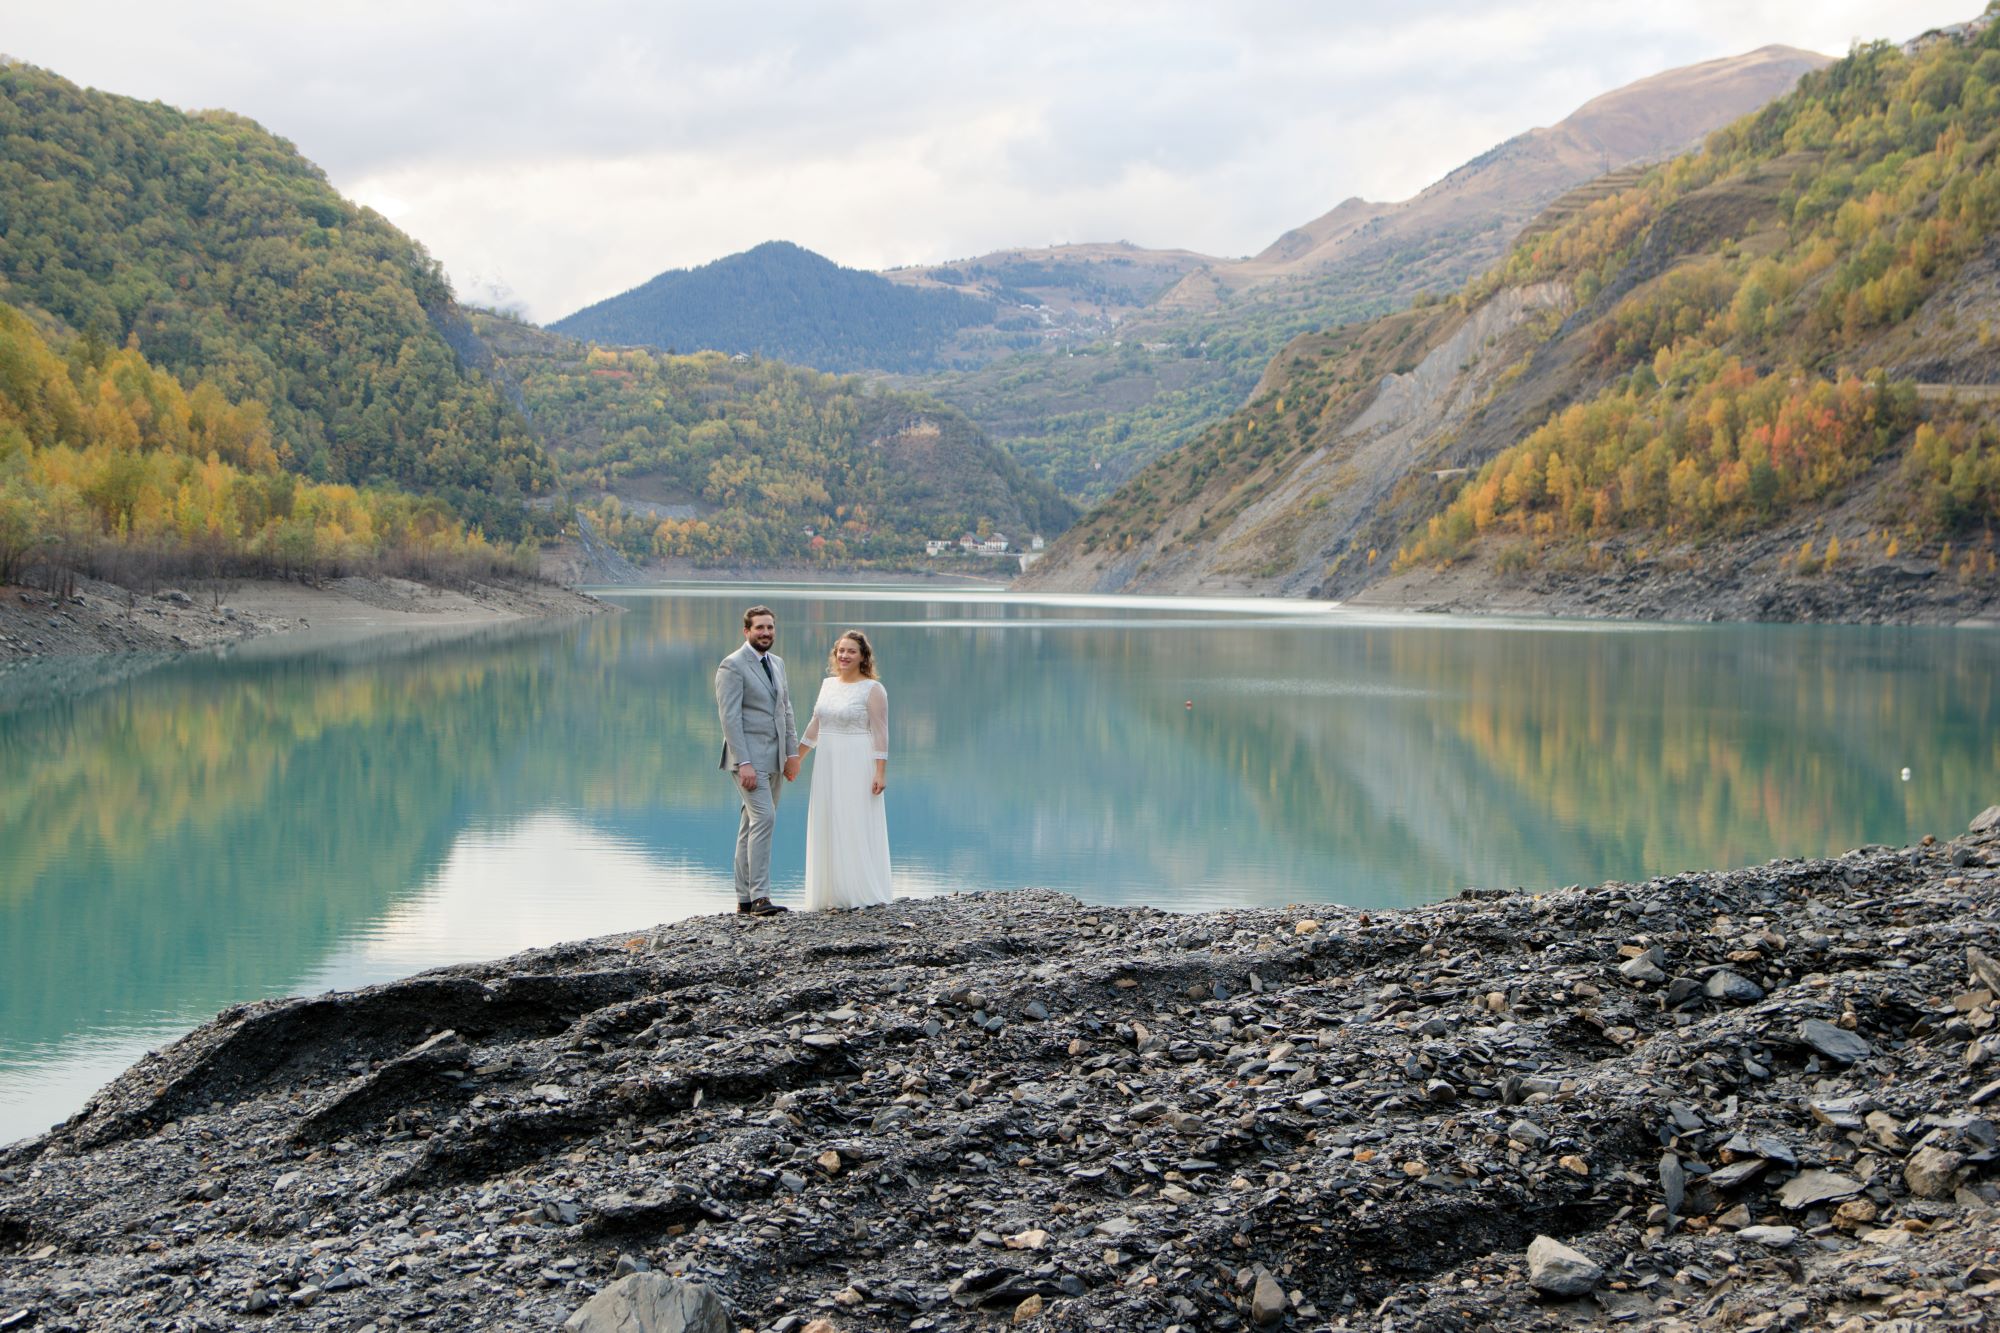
point(567, 155)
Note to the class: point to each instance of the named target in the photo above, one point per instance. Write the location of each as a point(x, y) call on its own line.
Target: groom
point(760, 743)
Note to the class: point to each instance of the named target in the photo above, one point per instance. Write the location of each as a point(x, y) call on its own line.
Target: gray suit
point(757, 729)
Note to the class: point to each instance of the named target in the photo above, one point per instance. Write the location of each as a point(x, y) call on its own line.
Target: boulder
point(1268, 1301)
point(1556, 1269)
point(651, 1303)
point(1932, 1173)
point(1773, 1238)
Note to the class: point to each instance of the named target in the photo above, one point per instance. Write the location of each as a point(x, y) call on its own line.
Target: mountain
point(1146, 367)
point(714, 460)
point(1463, 222)
point(784, 302)
point(1758, 380)
point(228, 259)
point(1055, 295)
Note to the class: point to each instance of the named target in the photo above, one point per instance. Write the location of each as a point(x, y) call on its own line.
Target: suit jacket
point(757, 723)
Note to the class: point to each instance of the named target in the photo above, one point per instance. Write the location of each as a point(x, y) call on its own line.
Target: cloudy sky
point(551, 155)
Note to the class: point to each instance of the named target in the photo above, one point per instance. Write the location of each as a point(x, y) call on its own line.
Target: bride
point(847, 830)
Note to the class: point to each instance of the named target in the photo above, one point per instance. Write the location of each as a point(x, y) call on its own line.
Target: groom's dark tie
point(763, 660)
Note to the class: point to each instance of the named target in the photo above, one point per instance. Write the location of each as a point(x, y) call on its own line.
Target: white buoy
point(1906, 775)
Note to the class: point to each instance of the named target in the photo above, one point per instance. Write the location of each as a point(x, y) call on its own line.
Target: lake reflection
point(290, 818)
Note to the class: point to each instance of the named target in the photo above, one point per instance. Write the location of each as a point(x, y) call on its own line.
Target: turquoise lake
point(290, 817)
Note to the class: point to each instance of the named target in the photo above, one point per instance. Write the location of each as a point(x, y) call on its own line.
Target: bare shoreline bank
point(105, 619)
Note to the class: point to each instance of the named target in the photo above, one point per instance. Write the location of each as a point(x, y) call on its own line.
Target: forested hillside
point(227, 259)
point(786, 303)
point(716, 459)
point(1776, 354)
point(1737, 389)
point(109, 466)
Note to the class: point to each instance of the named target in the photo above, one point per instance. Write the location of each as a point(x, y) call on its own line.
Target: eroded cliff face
point(1315, 512)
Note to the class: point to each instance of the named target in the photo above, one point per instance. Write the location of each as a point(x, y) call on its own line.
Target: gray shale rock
point(1810, 1188)
point(1730, 988)
point(651, 1303)
point(1835, 1043)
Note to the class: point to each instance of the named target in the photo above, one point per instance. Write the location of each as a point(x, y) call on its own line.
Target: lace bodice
point(858, 709)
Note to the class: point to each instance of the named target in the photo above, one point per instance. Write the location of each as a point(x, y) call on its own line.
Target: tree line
point(109, 466)
point(718, 459)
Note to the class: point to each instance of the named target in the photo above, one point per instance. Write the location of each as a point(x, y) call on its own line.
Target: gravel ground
point(1757, 1099)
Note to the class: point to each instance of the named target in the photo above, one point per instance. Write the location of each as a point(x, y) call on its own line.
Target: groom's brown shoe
point(761, 907)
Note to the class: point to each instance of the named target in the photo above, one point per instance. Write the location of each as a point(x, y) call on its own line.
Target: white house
point(994, 545)
point(937, 547)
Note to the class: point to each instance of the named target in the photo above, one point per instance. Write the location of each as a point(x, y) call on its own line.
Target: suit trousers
point(753, 836)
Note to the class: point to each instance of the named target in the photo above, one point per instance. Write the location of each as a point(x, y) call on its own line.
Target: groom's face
point(762, 633)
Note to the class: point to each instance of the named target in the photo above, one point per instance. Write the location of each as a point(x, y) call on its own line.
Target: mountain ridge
point(1678, 362)
point(1210, 333)
point(1641, 121)
point(781, 300)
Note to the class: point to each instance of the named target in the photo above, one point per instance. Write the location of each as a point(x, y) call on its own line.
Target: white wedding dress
point(847, 828)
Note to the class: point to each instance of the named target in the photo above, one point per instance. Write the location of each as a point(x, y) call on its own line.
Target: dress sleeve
point(811, 737)
point(878, 720)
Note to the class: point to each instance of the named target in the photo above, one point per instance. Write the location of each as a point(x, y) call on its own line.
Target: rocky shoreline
point(1758, 1099)
point(100, 618)
point(1747, 580)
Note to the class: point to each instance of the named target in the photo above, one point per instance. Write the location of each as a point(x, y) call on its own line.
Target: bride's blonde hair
point(867, 655)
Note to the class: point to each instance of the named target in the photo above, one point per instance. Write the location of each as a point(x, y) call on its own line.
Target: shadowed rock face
point(933, 1114)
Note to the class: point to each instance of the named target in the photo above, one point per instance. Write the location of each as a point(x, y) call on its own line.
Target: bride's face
point(847, 657)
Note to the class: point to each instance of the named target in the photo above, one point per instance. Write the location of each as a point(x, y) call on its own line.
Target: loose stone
point(1558, 1270)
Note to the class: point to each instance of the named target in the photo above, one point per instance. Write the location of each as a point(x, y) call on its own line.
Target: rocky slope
point(1431, 434)
point(1756, 1099)
point(1467, 219)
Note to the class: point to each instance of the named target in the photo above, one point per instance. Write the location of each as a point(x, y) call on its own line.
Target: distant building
point(969, 542)
point(937, 546)
point(1034, 543)
point(994, 545)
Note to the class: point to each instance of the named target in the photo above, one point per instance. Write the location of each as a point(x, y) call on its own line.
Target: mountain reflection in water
point(293, 817)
